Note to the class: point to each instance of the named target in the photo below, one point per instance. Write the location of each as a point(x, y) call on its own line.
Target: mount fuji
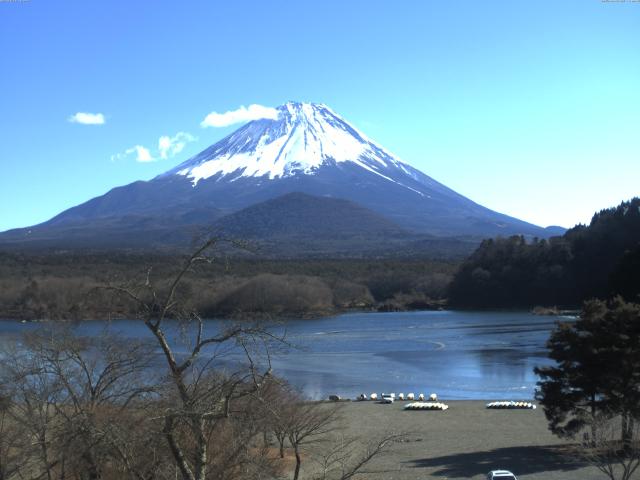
point(308, 149)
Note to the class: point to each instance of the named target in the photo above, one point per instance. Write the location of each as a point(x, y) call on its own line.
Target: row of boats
point(511, 405)
point(420, 402)
point(401, 396)
point(426, 406)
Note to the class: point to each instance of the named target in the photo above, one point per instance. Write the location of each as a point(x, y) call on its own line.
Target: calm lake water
point(458, 355)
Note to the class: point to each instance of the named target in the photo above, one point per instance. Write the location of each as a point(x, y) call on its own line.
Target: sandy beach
point(465, 441)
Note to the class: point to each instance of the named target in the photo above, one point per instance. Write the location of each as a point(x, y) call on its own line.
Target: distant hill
point(554, 231)
point(598, 260)
point(301, 215)
point(297, 225)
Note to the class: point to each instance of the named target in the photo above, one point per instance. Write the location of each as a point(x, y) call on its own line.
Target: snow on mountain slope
point(305, 137)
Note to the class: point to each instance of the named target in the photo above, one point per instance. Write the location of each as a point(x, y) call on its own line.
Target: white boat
point(426, 406)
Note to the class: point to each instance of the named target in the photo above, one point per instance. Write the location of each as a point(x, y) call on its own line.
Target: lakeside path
point(466, 441)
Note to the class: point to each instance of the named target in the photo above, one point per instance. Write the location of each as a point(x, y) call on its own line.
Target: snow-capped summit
point(304, 138)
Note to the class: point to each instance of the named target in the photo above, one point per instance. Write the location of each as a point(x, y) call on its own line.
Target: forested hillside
point(66, 286)
point(597, 260)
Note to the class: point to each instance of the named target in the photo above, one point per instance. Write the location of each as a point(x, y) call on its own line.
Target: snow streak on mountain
point(304, 138)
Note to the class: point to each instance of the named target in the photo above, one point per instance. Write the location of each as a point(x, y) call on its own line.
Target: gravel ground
point(466, 441)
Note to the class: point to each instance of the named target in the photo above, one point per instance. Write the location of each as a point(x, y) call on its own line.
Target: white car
point(501, 475)
point(387, 398)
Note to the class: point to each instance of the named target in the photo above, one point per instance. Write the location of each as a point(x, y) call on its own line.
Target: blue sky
point(529, 108)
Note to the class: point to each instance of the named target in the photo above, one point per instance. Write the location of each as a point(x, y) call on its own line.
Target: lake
point(458, 355)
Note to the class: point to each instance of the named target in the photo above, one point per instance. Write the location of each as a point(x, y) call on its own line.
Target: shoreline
point(252, 316)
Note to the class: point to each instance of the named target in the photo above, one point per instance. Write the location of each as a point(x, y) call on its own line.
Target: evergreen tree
point(597, 370)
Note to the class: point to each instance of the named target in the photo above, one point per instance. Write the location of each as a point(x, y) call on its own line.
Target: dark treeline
point(594, 261)
point(67, 285)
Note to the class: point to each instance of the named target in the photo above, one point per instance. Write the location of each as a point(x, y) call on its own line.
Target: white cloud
point(171, 146)
point(87, 118)
point(142, 154)
point(241, 115)
point(168, 147)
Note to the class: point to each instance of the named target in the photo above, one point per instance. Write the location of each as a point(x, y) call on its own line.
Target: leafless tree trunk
point(305, 424)
point(345, 459)
point(313, 431)
point(201, 400)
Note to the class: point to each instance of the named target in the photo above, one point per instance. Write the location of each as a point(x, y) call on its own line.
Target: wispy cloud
point(168, 147)
point(171, 146)
point(241, 115)
point(142, 154)
point(87, 118)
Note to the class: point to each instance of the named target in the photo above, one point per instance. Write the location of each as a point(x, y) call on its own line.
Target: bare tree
point(606, 449)
point(98, 380)
point(273, 407)
point(201, 407)
point(345, 458)
point(10, 436)
point(309, 423)
point(315, 430)
point(33, 395)
point(73, 399)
